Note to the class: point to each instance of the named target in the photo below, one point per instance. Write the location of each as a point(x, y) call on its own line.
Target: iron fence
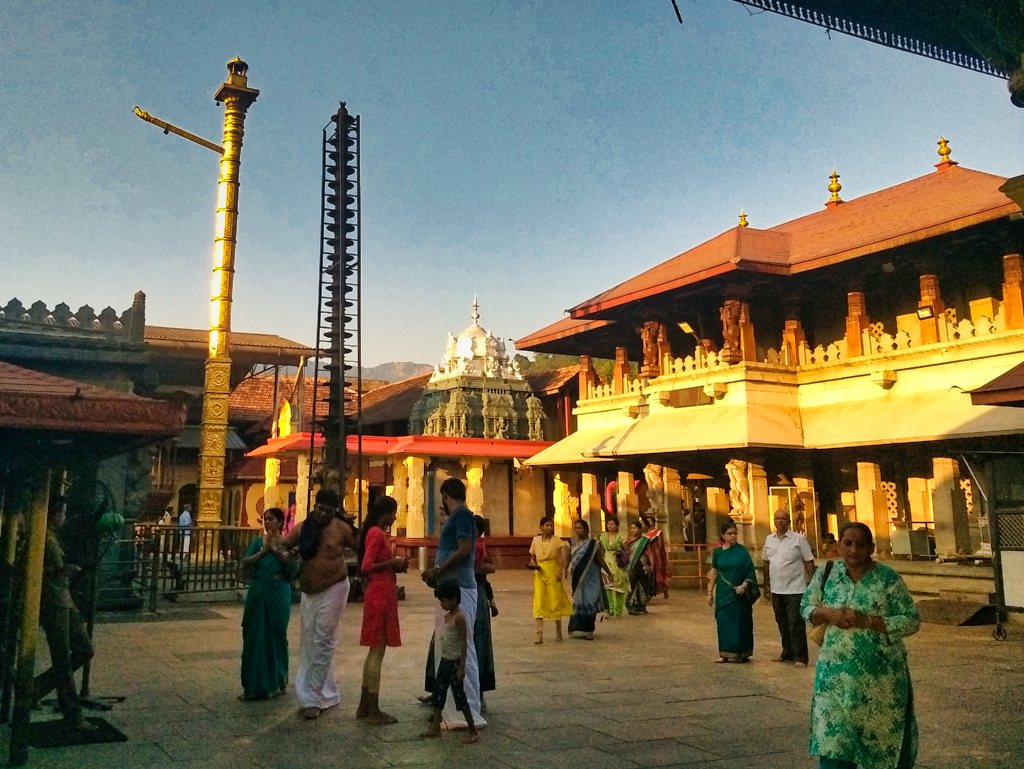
point(168, 561)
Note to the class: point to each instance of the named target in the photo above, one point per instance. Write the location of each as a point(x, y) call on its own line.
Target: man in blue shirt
point(455, 562)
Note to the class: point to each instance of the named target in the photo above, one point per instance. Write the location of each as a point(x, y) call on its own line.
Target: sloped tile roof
point(34, 400)
point(944, 201)
point(549, 382)
point(169, 336)
point(393, 402)
point(253, 399)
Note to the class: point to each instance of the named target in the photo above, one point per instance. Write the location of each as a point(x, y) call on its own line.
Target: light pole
point(236, 97)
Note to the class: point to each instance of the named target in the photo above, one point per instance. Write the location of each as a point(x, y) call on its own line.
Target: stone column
point(760, 518)
point(590, 502)
point(626, 501)
point(415, 521)
point(1013, 298)
point(621, 371)
point(952, 533)
point(748, 345)
point(400, 492)
point(674, 529)
point(870, 505)
point(931, 297)
point(717, 512)
point(793, 338)
point(857, 321)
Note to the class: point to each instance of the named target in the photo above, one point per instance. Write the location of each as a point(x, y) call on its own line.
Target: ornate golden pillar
point(415, 521)
point(400, 492)
point(237, 97)
point(302, 469)
point(475, 467)
point(567, 504)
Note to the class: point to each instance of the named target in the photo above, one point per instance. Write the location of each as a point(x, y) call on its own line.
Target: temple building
point(824, 365)
point(476, 417)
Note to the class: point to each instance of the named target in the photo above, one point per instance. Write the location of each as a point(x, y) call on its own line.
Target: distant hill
point(395, 371)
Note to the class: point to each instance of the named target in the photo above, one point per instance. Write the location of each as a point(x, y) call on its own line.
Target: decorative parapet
point(130, 324)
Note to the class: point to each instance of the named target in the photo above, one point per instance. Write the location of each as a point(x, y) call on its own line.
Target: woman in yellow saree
point(549, 560)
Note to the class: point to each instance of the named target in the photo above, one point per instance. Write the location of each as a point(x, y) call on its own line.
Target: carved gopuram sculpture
point(534, 418)
point(651, 366)
point(739, 488)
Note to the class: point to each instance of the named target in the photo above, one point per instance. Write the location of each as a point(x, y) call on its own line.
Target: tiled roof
point(33, 400)
point(392, 402)
point(549, 382)
point(253, 399)
point(1007, 389)
point(168, 336)
point(944, 201)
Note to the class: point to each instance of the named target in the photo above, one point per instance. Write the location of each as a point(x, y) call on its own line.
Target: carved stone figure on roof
point(649, 332)
point(730, 314)
point(534, 418)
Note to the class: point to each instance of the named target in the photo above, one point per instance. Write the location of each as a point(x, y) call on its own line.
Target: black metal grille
point(339, 338)
point(1011, 529)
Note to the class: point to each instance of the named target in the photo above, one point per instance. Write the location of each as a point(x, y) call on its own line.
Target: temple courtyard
point(644, 694)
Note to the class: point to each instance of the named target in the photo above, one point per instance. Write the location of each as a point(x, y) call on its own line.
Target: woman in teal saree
point(731, 582)
point(638, 570)
point(585, 566)
point(268, 606)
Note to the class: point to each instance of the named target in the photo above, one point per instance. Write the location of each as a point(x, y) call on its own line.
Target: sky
point(530, 153)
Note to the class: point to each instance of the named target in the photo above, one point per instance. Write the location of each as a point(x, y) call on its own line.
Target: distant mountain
point(396, 371)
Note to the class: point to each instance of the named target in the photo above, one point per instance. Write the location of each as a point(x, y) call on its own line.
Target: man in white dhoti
point(323, 579)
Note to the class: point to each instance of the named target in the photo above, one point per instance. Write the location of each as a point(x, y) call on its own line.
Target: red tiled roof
point(1007, 389)
point(549, 382)
point(392, 402)
point(560, 329)
point(941, 202)
point(36, 401)
point(253, 399)
point(426, 445)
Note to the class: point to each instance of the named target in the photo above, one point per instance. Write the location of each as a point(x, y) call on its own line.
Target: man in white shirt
point(790, 568)
point(185, 525)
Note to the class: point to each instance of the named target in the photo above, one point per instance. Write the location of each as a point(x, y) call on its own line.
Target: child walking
point(452, 669)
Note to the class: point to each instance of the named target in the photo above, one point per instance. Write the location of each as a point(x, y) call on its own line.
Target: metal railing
point(167, 561)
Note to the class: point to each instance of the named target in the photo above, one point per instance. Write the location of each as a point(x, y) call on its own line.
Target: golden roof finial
point(944, 153)
point(743, 219)
point(834, 187)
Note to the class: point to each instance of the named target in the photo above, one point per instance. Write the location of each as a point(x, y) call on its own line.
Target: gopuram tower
point(476, 392)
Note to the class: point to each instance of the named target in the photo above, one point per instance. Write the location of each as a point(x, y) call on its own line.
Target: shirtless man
point(323, 578)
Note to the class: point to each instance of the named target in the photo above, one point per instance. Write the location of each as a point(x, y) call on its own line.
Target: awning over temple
point(405, 445)
point(1005, 390)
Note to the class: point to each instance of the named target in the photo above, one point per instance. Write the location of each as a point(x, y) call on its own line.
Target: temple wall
point(529, 504)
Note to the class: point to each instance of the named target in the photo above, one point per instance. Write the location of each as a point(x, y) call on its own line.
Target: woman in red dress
point(379, 566)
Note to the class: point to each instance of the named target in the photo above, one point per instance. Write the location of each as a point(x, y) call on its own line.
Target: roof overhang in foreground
point(408, 445)
point(880, 421)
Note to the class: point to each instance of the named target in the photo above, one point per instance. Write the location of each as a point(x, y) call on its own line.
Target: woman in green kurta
point(616, 557)
point(268, 606)
point(862, 712)
point(730, 583)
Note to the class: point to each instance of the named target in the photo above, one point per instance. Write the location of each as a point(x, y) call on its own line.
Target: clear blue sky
point(531, 152)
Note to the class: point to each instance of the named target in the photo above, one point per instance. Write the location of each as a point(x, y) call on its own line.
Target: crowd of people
point(862, 706)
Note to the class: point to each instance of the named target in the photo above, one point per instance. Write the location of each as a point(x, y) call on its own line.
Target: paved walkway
point(644, 694)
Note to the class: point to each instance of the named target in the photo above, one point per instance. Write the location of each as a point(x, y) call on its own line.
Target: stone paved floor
point(644, 694)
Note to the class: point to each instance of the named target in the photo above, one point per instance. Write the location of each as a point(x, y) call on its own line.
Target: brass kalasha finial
point(834, 187)
point(944, 153)
point(743, 219)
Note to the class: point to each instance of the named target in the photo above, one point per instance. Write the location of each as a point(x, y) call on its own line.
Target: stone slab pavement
point(645, 693)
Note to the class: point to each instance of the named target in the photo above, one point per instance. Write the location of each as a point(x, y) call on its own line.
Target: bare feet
point(471, 737)
point(380, 718)
point(721, 660)
point(310, 714)
point(430, 733)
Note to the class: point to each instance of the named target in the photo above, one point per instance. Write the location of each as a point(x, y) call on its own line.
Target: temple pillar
point(857, 321)
point(475, 484)
point(273, 495)
point(415, 521)
point(567, 504)
point(717, 512)
point(400, 493)
point(931, 297)
point(302, 494)
point(805, 516)
point(1013, 297)
point(793, 338)
point(590, 502)
point(952, 532)
point(626, 501)
point(675, 531)
point(870, 506)
point(620, 373)
point(760, 517)
point(356, 491)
